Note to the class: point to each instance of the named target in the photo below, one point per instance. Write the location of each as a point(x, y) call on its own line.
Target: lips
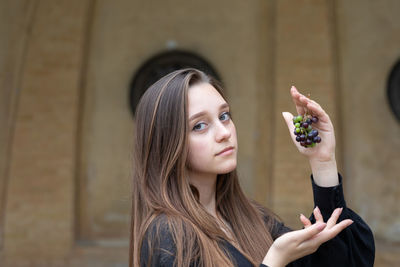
point(224, 150)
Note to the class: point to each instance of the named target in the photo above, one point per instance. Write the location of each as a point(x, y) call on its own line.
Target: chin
point(227, 169)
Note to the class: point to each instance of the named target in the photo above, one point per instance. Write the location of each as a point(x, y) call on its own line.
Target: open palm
point(296, 244)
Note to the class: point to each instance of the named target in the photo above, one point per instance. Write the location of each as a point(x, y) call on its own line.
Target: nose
point(222, 132)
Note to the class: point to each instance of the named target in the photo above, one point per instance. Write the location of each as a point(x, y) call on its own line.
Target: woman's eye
point(199, 126)
point(225, 116)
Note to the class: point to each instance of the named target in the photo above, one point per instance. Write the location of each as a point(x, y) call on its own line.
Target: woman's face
point(212, 134)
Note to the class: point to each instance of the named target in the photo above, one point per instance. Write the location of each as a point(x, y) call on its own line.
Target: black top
point(354, 246)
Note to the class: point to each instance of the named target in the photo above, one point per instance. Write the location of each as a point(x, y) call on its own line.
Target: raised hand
point(296, 244)
point(324, 151)
point(322, 156)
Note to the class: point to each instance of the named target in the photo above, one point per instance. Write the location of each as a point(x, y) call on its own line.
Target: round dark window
point(393, 90)
point(162, 64)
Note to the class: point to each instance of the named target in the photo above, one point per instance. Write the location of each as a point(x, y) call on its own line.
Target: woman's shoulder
point(158, 225)
point(158, 244)
point(158, 233)
point(272, 221)
point(166, 226)
point(267, 215)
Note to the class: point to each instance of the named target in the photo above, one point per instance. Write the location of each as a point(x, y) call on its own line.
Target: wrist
point(328, 158)
point(272, 259)
point(318, 164)
point(325, 172)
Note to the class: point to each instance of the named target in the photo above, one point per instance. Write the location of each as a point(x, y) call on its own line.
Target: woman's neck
point(206, 185)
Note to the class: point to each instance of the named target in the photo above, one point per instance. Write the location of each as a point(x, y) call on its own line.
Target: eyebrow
point(202, 113)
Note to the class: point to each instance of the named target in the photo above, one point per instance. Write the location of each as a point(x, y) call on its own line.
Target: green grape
point(305, 134)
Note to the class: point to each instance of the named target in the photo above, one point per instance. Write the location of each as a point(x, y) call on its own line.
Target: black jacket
point(354, 246)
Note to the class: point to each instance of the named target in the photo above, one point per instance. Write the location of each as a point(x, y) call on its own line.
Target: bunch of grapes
point(305, 134)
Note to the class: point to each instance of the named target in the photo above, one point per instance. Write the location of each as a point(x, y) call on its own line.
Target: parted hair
point(162, 188)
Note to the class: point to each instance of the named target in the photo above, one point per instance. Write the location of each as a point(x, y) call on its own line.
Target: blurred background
point(71, 73)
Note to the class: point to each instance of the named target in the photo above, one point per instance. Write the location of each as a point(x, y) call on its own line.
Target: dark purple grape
point(308, 142)
point(309, 121)
point(314, 119)
point(314, 133)
point(298, 138)
point(317, 139)
point(302, 137)
point(303, 143)
point(305, 125)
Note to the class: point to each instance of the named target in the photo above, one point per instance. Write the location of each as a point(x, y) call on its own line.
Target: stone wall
point(65, 69)
point(44, 41)
point(368, 39)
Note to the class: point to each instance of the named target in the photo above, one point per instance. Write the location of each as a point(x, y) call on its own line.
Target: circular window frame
point(393, 90)
point(160, 65)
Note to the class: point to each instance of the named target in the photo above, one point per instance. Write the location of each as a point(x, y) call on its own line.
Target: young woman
point(188, 208)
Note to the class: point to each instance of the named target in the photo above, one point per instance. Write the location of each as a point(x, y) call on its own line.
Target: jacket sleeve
point(354, 246)
point(158, 249)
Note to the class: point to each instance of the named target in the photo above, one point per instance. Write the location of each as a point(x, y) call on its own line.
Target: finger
point(313, 101)
point(334, 217)
point(342, 225)
point(305, 221)
point(301, 99)
point(300, 107)
point(305, 99)
point(335, 230)
point(310, 232)
point(314, 108)
point(289, 122)
point(318, 215)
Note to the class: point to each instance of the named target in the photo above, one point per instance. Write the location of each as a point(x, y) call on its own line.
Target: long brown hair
point(160, 186)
